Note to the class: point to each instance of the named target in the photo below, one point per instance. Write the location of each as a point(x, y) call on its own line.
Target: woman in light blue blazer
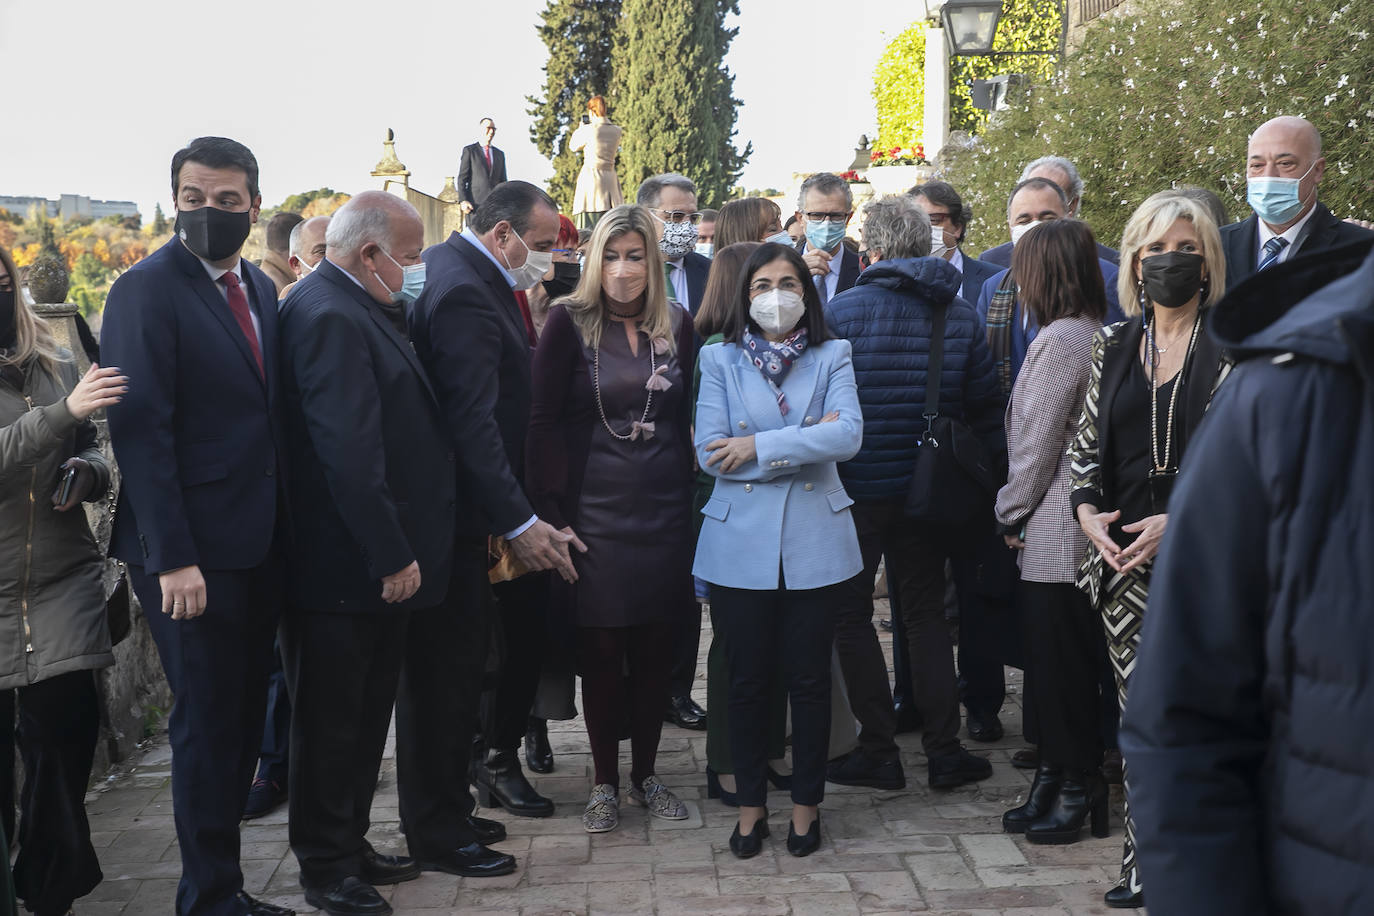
point(778, 408)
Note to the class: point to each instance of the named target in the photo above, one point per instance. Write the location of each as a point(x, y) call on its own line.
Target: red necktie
point(524, 303)
point(238, 304)
point(486, 150)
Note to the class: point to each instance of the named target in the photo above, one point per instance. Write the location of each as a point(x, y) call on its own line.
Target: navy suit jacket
point(976, 273)
point(475, 181)
point(1240, 241)
point(472, 341)
point(374, 484)
point(198, 436)
point(1001, 255)
point(698, 267)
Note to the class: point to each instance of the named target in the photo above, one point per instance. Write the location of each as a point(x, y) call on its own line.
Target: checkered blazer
point(1041, 420)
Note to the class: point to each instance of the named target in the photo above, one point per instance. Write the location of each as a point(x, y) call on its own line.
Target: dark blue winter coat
point(1249, 726)
point(887, 318)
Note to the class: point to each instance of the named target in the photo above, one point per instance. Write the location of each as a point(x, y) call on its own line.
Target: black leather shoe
point(500, 781)
point(908, 719)
point(1123, 898)
point(471, 861)
point(1082, 794)
point(746, 847)
point(350, 897)
point(984, 728)
point(383, 869)
point(806, 843)
point(487, 830)
point(1039, 800)
point(538, 754)
point(859, 769)
point(266, 796)
point(256, 907)
point(684, 713)
point(957, 769)
point(714, 790)
point(1028, 758)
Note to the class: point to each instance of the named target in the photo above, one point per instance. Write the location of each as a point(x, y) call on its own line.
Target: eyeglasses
point(826, 217)
point(677, 216)
point(789, 284)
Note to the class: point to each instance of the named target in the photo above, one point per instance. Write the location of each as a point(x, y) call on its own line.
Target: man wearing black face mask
point(199, 437)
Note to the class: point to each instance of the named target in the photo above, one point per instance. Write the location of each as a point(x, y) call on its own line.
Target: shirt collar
point(217, 272)
point(956, 260)
point(477, 243)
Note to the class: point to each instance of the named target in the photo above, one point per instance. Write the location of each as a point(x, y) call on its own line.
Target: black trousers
point(686, 648)
point(771, 630)
point(985, 576)
point(1064, 637)
point(273, 760)
point(522, 608)
point(59, 719)
point(217, 665)
point(343, 670)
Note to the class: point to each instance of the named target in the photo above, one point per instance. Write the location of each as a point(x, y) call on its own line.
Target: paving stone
point(823, 905)
point(783, 884)
point(991, 851)
point(432, 889)
point(885, 891)
point(991, 898)
point(1032, 875)
point(560, 849)
point(941, 872)
point(723, 906)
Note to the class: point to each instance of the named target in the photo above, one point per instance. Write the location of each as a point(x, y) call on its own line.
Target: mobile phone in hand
point(64, 486)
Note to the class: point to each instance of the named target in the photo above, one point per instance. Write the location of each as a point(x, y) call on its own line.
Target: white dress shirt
point(237, 270)
point(682, 294)
point(832, 279)
point(1294, 235)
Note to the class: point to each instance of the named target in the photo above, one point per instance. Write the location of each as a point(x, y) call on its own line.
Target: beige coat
point(598, 188)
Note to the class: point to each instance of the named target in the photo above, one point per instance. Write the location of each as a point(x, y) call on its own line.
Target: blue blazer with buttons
point(787, 508)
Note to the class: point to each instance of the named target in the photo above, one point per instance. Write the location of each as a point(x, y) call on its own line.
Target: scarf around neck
point(774, 360)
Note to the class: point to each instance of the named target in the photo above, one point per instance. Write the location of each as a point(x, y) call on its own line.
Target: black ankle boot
point(538, 754)
point(500, 781)
point(1043, 791)
point(1082, 794)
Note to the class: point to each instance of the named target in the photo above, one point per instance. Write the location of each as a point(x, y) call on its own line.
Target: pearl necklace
point(600, 408)
point(1173, 396)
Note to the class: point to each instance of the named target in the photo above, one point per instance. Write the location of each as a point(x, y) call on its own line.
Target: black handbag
point(952, 481)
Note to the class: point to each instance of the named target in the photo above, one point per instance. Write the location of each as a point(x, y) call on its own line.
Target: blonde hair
point(586, 304)
point(1151, 220)
point(32, 335)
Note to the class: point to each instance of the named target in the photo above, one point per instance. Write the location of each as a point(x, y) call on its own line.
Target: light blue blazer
point(787, 509)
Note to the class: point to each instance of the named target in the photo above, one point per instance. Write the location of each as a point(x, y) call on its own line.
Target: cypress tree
point(578, 34)
point(674, 96)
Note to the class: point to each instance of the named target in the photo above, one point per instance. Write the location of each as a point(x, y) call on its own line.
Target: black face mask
point(1171, 279)
point(7, 331)
point(212, 233)
point(565, 277)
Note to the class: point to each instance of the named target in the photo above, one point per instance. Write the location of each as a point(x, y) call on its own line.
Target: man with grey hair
point(373, 509)
point(1064, 174)
point(306, 250)
point(672, 201)
point(890, 318)
point(826, 205)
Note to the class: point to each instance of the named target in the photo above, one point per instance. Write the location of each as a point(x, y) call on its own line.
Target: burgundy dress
point(629, 500)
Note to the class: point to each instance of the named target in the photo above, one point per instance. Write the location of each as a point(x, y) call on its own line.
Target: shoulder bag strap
point(934, 367)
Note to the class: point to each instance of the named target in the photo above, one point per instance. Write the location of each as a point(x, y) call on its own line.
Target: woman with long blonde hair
point(609, 455)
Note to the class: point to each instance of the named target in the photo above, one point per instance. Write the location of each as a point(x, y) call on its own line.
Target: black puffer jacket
point(1250, 726)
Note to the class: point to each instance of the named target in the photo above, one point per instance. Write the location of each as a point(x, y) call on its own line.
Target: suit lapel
point(849, 270)
point(760, 402)
point(503, 298)
point(214, 301)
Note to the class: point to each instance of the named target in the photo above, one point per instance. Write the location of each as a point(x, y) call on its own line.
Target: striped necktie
point(1272, 249)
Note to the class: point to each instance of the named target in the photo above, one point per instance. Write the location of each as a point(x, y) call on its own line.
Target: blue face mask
point(1275, 200)
point(412, 282)
point(824, 235)
point(781, 238)
point(705, 249)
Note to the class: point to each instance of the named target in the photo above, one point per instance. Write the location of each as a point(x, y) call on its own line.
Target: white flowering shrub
point(1169, 95)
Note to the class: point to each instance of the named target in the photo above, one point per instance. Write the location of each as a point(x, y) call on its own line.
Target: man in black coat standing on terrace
point(481, 168)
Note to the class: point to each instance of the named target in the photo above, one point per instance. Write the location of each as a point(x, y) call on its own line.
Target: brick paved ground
point(882, 852)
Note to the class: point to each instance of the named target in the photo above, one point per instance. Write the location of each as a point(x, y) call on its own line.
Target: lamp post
point(971, 25)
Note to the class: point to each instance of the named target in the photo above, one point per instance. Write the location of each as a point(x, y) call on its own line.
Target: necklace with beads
point(1173, 395)
point(600, 408)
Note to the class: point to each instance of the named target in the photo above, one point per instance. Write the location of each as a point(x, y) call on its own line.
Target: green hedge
point(1170, 94)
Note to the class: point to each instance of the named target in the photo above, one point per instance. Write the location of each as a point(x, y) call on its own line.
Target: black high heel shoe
point(746, 847)
point(806, 843)
point(1043, 791)
point(713, 790)
point(1082, 794)
point(538, 753)
point(1122, 897)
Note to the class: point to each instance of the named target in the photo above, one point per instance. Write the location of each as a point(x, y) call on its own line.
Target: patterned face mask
point(678, 239)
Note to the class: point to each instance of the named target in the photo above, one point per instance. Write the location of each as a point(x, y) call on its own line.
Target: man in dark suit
point(948, 223)
point(472, 339)
point(1285, 165)
point(199, 441)
point(481, 168)
point(373, 508)
point(826, 205)
point(672, 201)
point(1065, 174)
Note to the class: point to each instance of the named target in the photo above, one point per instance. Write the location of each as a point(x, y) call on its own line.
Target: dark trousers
point(767, 631)
point(1065, 643)
point(521, 608)
point(718, 756)
point(624, 678)
point(58, 722)
point(856, 641)
point(985, 576)
point(437, 705)
point(686, 648)
point(343, 670)
point(276, 730)
point(217, 666)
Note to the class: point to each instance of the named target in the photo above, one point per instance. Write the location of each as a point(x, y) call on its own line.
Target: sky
point(103, 94)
